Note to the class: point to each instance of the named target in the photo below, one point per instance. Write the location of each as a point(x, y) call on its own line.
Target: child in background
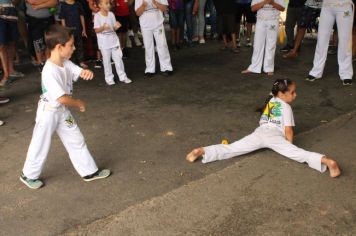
point(226, 22)
point(266, 33)
point(105, 26)
point(94, 40)
point(72, 16)
point(150, 13)
point(53, 114)
point(176, 21)
point(275, 132)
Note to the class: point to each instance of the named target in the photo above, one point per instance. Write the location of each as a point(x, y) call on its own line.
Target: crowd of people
point(104, 33)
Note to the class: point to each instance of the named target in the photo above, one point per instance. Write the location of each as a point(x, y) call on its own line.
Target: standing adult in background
point(191, 9)
point(39, 18)
point(199, 23)
point(243, 8)
point(341, 12)
point(294, 13)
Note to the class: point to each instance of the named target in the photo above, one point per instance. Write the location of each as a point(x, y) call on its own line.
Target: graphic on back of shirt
point(272, 112)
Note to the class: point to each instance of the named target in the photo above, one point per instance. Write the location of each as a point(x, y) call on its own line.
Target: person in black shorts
point(309, 15)
point(243, 8)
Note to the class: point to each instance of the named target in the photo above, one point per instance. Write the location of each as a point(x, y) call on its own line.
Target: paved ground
point(142, 132)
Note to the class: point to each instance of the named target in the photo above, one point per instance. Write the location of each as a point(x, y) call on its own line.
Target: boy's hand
point(105, 26)
point(81, 105)
point(117, 25)
point(86, 74)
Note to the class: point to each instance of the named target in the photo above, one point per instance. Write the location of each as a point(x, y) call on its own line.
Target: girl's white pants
point(116, 55)
point(264, 137)
point(159, 36)
point(264, 46)
point(344, 19)
point(48, 120)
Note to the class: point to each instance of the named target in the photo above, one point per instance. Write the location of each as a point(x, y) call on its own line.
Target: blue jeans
point(212, 19)
point(189, 19)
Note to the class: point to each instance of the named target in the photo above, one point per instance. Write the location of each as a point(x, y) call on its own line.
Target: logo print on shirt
point(273, 110)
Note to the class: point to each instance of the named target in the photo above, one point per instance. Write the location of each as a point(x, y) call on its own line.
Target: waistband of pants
point(46, 107)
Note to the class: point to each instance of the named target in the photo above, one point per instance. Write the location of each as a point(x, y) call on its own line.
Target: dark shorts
point(176, 18)
point(37, 28)
point(124, 21)
point(308, 17)
point(8, 31)
point(226, 23)
point(245, 9)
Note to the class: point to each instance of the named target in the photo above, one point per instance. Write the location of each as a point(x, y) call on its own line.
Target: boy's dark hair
point(279, 85)
point(57, 34)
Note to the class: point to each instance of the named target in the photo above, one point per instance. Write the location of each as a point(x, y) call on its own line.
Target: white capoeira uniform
point(270, 134)
point(342, 12)
point(109, 45)
point(151, 22)
point(265, 39)
point(53, 116)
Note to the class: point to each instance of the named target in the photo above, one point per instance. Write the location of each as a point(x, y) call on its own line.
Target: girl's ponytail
point(279, 85)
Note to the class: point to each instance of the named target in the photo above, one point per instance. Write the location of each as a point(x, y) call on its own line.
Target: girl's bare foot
point(193, 155)
point(270, 73)
point(246, 72)
point(290, 54)
point(333, 167)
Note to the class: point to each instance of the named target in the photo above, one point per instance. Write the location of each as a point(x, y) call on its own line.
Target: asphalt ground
point(142, 132)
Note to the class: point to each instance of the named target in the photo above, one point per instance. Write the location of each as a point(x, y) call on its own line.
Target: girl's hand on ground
point(81, 105)
point(86, 75)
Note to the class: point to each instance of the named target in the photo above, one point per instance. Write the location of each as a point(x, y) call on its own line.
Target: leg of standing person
point(189, 20)
point(292, 18)
point(270, 49)
point(149, 51)
point(116, 54)
point(326, 22)
point(162, 49)
point(258, 48)
point(344, 21)
point(201, 21)
point(109, 76)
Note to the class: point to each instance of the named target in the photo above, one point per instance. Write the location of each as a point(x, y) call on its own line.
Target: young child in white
point(105, 26)
point(266, 33)
point(275, 132)
point(53, 114)
point(151, 22)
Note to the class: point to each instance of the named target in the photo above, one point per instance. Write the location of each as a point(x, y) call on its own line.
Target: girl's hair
point(279, 85)
point(57, 34)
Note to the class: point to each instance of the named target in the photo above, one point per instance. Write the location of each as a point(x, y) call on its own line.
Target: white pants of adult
point(48, 120)
point(159, 36)
point(116, 55)
point(264, 46)
point(264, 137)
point(344, 19)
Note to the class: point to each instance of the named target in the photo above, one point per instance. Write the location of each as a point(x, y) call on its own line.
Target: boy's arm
point(289, 133)
point(141, 9)
point(160, 6)
point(277, 6)
point(71, 102)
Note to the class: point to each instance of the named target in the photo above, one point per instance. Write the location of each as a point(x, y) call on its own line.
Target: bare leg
point(224, 42)
point(298, 41)
point(194, 154)
point(332, 165)
point(249, 30)
point(4, 64)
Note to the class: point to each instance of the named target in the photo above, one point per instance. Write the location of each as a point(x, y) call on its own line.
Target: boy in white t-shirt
point(105, 26)
point(151, 22)
point(53, 114)
point(264, 46)
point(275, 132)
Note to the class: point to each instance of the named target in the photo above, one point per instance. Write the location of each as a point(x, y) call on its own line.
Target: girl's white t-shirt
point(268, 12)
point(152, 17)
point(106, 39)
point(58, 81)
point(278, 114)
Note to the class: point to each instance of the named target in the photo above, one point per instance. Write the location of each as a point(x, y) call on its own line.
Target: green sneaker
point(31, 183)
point(100, 174)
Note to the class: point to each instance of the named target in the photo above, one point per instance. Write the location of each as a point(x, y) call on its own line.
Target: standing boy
point(151, 21)
point(53, 114)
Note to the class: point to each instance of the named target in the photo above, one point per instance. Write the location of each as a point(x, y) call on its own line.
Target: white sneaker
point(130, 33)
point(201, 41)
point(126, 81)
point(137, 41)
point(128, 42)
point(2, 122)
